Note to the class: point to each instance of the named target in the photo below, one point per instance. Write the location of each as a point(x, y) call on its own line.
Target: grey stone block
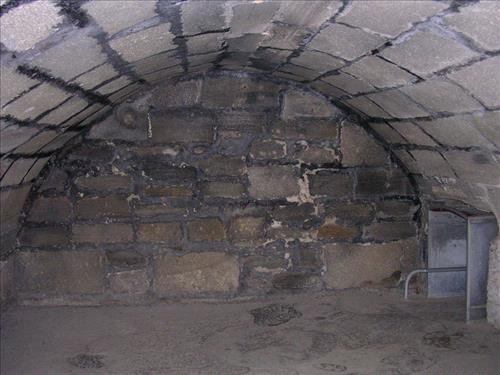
point(217, 189)
point(366, 106)
point(267, 149)
point(371, 182)
point(206, 229)
point(14, 136)
point(358, 148)
point(412, 133)
point(223, 166)
point(397, 104)
point(129, 282)
point(96, 76)
point(172, 128)
point(482, 80)
point(294, 213)
point(44, 236)
point(64, 111)
point(387, 132)
point(317, 61)
point(333, 185)
point(195, 273)
point(432, 163)
point(102, 233)
point(306, 13)
point(272, 182)
point(297, 104)
point(181, 94)
point(389, 231)
point(251, 18)
point(50, 210)
point(348, 83)
point(246, 228)
point(426, 52)
point(13, 84)
point(345, 42)
point(97, 207)
point(202, 16)
point(168, 233)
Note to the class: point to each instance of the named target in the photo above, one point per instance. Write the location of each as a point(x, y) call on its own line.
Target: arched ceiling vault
point(422, 75)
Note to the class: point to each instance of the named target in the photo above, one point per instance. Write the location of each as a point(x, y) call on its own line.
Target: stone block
point(41, 17)
point(96, 76)
point(397, 104)
point(196, 274)
point(50, 210)
point(105, 183)
point(199, 17)
point(473, 79)
point(352, 265)
point(93, 152)
point(44, 236)
point(389, 231)
point(272, 182)
point(432, 163)
point(177, 127)
point(299, 104)
point(387, 17)
point(412, 134)
point(173, 191)
point(345, 42)
point(182, 94)
point(102, 233)
point(358, 148)
point(395, 208)
point(487, 123)
point(14, 136)
point(241, 121)
point(294, 213)
point(17, 171)
point(218, 189)
point(478, 22)
point(155, 210)
point(286, 37)
point(247, 228)
point(125, 259)
point(113, 86)
point(64, 111)
point(118, 15)
point(251, 18)
point(333, 185)
point(307, 129)
point(35, 102)
point(61, 272)
point(163, 170)
point(381, 182)
point(366, 106)
point(129, 282)
point(379, 73)
point(267, 149)
point(223, 166)
point(350, 213)
point(7, 286)
point(229, 92)
point(475, 167)
point(317, 61)
point(38, 142)
point(426, 52)
point(295, 281)
point(144, 43)
point(388, 133)
point(13, 84)
point(11, 205)
point(332, 231)
point(442, 96)
point(317, 155)
point(206, 229)
point(348, 83)
point(169, 233)
point(96, 207)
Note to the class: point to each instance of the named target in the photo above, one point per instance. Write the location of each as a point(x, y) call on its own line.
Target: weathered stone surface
point(64, 111)
point(358, 148)
point(294, 212)
point(144, 43)
point(412, 133)
point(475, 166)
point(381, 182)
point(96, 76)
point(395, 208)
point(272, 182)
point(201, 16)
point(251, 18)
point(442, 96)
point(181, 94)
point(493, 301)
point(11, 204)
point(486, 123)
point(179, 128)
point(337, 185)
point(155, 210)
point(169, 233)
point(15, 174)
point(14, 136)
point(60, 273)
point(317, 129)
point(267, 149)
point(35, 102)
point(168, 191)
point(50, 210)
point(206, 229)
point(350, 266)
point(223, 166)
point(389, 231)
point(366, 106)
point(348, 83)
point(296, 280)
point(397, 104)
point(246, 228)
point(92, 152)
point(44, 236)
point(305, 13)
point(455, 131)
point(162, 170)
point(114, 16)
point(195, 273)
point(345, 42)
point(426, 52)
point(350, 213)
point(96, 207)
point(473, 79)
point(317, 155)
point(331, 231)
point(129, 282)
point(125, 260)
point(317, 61)
point(389, 134)
point(297, 104)
point(218, 189)
point(102, 233)
point(379, 73)
point(113, 86)
point(42, 18)
point(7, 286)
point(478, 22)
point(432, 163)
point(38, 142)
point(104, 183)
point(241, 121)
point(13, 84)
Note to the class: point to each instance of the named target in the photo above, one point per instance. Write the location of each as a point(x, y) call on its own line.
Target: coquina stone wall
point(216, 187)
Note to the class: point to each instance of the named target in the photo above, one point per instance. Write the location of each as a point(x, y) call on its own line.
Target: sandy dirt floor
point(353, 332)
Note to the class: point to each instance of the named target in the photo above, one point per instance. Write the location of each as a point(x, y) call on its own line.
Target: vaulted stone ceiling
point(423, 76)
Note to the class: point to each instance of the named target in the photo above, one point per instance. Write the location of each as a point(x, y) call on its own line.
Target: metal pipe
point(429, 270)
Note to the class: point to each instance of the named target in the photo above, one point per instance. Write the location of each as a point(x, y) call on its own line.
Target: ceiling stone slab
point(412, 133)
point(13, 84)
point(397, 104)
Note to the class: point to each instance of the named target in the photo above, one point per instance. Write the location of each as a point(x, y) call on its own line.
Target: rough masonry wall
point(216, 187)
